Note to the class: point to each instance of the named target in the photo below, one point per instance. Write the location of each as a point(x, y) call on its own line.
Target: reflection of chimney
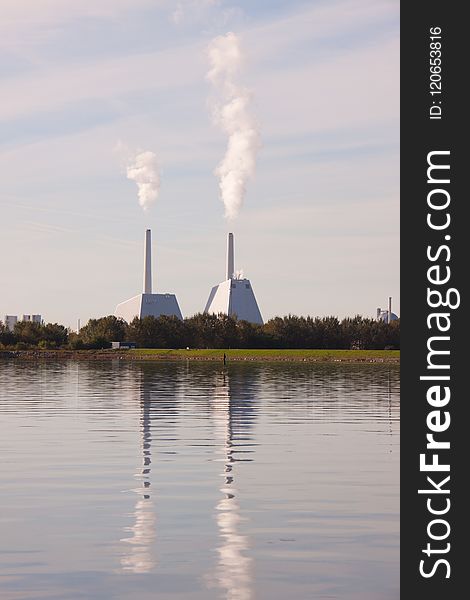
point(148, 262)
point(389, 309)
point(230, 259)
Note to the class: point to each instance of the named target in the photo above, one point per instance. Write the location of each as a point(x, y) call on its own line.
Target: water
point(188, 480)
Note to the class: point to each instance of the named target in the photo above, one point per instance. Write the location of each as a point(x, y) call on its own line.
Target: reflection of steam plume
point(233, 115)
point(233, 572)
point(144, 171)
point(139, 558)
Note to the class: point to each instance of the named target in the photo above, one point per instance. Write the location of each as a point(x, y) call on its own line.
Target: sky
point(318, 232)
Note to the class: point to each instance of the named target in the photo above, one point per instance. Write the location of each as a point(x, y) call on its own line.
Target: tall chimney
point(379, 311)
point(230, 267)
point(148, 262)
point(389, 309)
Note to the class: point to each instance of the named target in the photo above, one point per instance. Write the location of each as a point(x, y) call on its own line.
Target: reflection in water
point(313, 515)
point(140, 558)
point(233, 572)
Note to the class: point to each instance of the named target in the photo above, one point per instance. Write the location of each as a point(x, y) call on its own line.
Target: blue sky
point(319, 230)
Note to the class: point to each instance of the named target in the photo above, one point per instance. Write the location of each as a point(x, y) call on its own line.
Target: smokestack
point(379, 311)
point(389, 309)
point(148, 262)
point(230, 266)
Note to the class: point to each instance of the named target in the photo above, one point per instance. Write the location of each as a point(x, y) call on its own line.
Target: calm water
point(175, 480)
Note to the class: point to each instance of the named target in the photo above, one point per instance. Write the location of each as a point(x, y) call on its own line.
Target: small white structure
point(148, 304)
point(36, 319)
point(235, 295)
point(26, 318)
point(123, 345)
point(386, 315)
point(10, 322)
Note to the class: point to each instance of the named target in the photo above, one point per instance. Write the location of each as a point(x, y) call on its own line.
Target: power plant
point(386, 315)
point(234, 296)
point(148, 304)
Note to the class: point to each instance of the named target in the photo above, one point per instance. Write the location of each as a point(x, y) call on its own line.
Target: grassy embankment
point(359, 356)
point(275, 355)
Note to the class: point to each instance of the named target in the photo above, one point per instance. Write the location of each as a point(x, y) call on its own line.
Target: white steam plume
point(144, 171)
point(234, 117)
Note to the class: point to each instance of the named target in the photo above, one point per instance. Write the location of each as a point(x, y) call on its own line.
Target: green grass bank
point(358, 356)
point(273, 355)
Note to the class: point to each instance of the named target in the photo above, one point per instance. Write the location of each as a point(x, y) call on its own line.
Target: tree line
point(210, 331)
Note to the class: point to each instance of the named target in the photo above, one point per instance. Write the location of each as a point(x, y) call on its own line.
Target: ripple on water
point(195, 481)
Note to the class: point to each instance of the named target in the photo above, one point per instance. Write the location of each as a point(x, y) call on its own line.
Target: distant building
point(32, 319)
point(148, 304)
point(386, 315)
point(10, 322)
point(234, 296)
point(382, 315)
point(123, 345)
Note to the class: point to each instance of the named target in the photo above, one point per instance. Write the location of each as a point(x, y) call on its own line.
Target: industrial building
point(32, 318)
point(235, 295)
point(148, 304)
point(386, 315)
point(11, 320)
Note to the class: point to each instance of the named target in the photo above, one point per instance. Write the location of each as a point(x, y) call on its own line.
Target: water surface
point(188, 480)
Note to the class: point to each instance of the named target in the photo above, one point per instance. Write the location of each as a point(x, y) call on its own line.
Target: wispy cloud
point(110, 78)
point(46, 228)
point(26, 22)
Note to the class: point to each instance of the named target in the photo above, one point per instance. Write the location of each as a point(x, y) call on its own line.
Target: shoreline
point(268, 355)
